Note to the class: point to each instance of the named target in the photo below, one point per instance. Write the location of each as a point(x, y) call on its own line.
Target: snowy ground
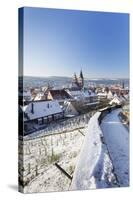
point(61, 142)
point(40, 173)
point(116, 137)
point(96, 157)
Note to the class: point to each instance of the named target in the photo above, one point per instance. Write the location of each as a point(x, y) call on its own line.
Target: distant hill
point(63, 81)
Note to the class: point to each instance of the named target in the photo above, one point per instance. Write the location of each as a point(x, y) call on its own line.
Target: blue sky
point(61, 42)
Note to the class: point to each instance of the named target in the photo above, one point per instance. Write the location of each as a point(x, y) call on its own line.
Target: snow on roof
point(92, 103)
point(39, 96)
point(81, 94)
point(27, 93)
point(115, 95)
point(59, 94)
point(41, 109)
point(116, 100)
point(102, 94)
point(75, 92)
point(126, 96)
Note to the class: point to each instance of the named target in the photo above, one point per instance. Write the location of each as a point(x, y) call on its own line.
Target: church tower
point(75, 82)
point(81, 79)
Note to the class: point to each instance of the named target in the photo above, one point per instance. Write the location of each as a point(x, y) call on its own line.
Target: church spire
point(81, 78)
point(81, 74)
point(75, 80)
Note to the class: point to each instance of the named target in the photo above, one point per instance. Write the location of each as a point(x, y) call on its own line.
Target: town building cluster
point(41, 106)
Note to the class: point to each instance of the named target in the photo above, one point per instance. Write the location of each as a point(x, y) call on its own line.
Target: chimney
point(32, 108)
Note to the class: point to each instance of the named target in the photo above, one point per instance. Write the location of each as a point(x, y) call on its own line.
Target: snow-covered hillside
point(40, 173)
point(94, 156)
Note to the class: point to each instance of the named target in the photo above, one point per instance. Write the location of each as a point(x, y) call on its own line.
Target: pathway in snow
point(117, 139)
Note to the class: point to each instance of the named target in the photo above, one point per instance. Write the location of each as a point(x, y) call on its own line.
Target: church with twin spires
point(78, 82)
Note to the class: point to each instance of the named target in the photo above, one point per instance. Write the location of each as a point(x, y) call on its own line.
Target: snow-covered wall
point(94, 167)
point(89, 155)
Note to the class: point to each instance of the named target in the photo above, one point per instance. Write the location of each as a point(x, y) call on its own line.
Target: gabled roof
point(40, 96)
point(40, 109)
point(60, 94)
point(116, 100)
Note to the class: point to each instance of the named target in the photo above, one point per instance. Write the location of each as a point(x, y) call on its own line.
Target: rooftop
point(40, 109)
